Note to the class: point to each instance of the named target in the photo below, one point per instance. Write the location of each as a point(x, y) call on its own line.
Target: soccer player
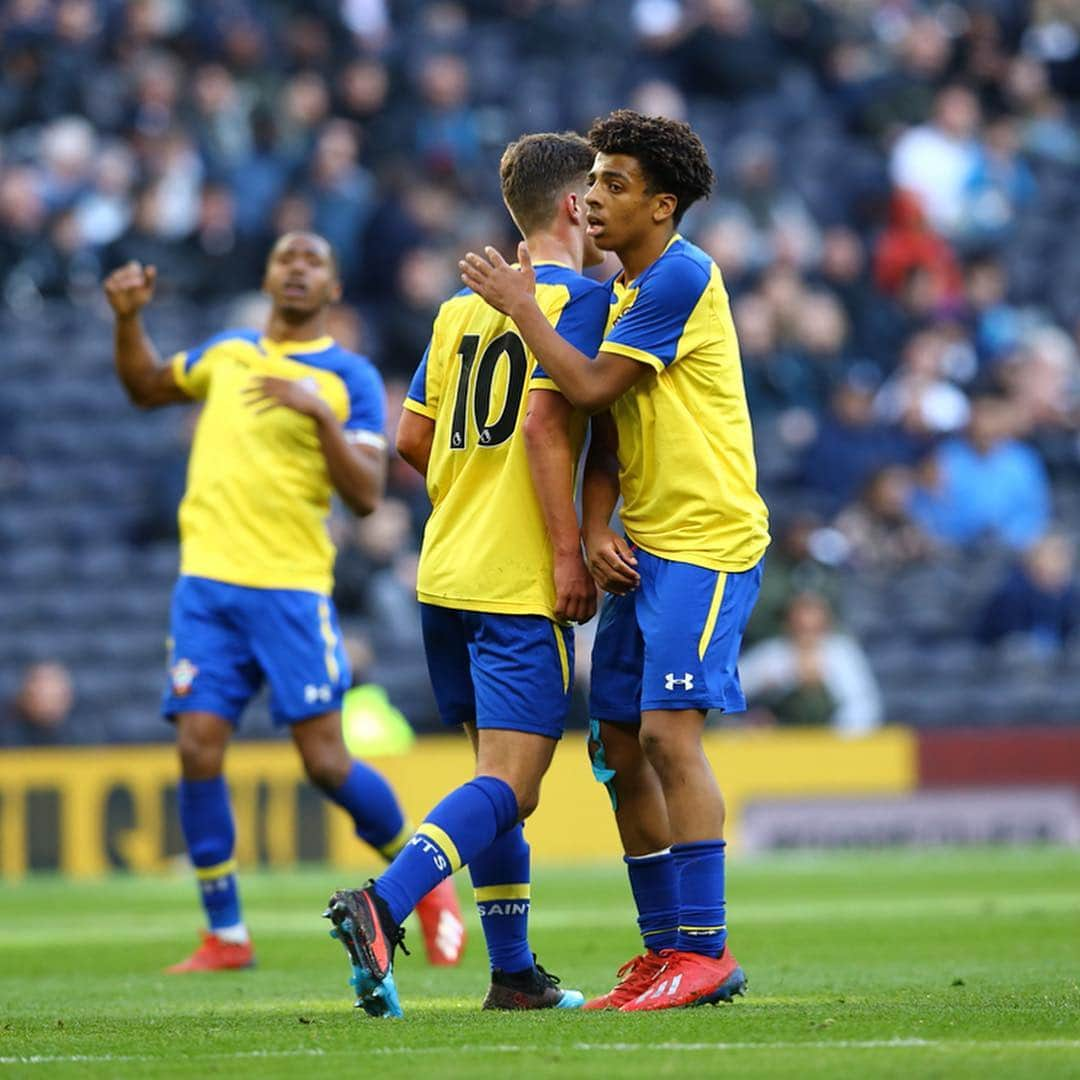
point(501, 576)
point(685, 579)
point(290, 417)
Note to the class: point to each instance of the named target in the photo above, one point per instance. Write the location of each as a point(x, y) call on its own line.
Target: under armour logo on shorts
point(686, 682)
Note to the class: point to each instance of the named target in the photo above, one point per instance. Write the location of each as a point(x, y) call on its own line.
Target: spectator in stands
point(811, 675)
point(909, 246)
point(1037, 606)
point(778, 219)
point(804, 558)
point(1042, 377)
point(986, 483)
point(38, 714)
point(995, 324)
point(341, 192)
point(935, 161)
point(918, 396)
point(1047, 133)
point(726, 51)
point(367, 581)
point(998, 188)
point(878, 527)
point(852, 444)
point(447, 132)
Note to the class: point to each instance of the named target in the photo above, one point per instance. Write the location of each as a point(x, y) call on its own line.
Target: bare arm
point(611, 560)
point(358, 473)
point(415, 435)
point(149, 383)
point(551, 463)
point(589, 383)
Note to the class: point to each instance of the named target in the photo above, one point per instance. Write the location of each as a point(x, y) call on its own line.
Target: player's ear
point(663, 207)
point(575, 207)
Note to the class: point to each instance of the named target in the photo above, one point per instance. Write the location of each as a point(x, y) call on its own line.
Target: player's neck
point(547, 247)
point(281, 328)
point(637, 258)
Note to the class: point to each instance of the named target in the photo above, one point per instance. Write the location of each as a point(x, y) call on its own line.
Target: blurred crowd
point(898, 193)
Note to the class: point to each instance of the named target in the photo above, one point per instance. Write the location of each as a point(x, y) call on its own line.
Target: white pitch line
point(121, 927)
point(617, 1047)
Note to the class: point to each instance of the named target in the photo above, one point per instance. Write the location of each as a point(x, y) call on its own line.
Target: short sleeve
point(581, 323)
point(192, 368)
point(420, 399)
point(367, 406)
point(649, 330)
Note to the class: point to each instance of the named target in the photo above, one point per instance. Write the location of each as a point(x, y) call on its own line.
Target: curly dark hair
point(673, 159)
point(535, 171)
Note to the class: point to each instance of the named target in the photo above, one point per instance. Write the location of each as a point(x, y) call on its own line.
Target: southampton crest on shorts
point(183, 674)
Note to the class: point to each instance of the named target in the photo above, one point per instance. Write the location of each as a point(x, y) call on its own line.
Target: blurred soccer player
point(683, 587)
point(501, 576)
point(290, 417)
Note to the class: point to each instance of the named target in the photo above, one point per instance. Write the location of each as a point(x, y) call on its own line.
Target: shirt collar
point(298, 348)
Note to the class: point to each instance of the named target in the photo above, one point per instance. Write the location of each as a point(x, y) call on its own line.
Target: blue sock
point(500, 876)
point(453, 834)
point(206, 818)
point(654, 882)
point(700, 868)
point(370, 801)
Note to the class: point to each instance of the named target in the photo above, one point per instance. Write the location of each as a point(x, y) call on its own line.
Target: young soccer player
point(290, 417)
point(686, 578)
point(501, 575)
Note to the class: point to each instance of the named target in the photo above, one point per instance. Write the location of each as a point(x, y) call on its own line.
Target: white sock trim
point(237, 934)
point(651, 855)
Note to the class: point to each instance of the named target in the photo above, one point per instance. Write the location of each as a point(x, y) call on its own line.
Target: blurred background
point(896, 220)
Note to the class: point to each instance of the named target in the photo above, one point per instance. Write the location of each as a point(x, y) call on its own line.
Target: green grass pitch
point(942, 964)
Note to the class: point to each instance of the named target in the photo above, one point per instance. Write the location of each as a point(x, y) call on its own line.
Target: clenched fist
point(130, 288)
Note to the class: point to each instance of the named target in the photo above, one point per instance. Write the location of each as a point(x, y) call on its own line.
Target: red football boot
point(690, 979)
point(215, 955)
point(633, 979)
point(442, 925)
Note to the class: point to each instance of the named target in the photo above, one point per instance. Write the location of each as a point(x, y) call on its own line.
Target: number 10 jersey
point(486, 547)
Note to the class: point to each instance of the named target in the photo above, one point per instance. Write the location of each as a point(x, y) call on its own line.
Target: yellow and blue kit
point(256, 560)
point(485, 580)
point(690, 504)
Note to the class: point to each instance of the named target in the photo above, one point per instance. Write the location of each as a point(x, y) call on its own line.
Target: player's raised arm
point(551, 464)
point(590, 383)
point(148, 382)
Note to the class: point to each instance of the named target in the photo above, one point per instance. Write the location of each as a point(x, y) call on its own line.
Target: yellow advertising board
point(88, 811)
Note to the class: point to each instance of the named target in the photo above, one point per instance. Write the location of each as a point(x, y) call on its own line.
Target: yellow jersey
point(686, 451)
point(258, 491)
point(486, 545)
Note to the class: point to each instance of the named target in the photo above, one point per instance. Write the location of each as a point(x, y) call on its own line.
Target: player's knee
point(526, 790)
point(528, 799)
point(327, 767)
point(660, 747)
point(199, 759)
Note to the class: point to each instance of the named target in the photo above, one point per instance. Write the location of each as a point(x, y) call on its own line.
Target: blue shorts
point(226, 639)
point(673, 642)
point(512, 672)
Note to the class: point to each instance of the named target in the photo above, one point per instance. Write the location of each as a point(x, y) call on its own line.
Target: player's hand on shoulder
point(575, 591)
point(611, 562)
point(130, 288)
point(266, 392)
